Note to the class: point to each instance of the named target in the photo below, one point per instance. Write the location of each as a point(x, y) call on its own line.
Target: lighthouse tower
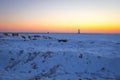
point(78, 31)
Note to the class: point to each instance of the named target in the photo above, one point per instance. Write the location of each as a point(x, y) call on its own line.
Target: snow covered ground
point(59, 56)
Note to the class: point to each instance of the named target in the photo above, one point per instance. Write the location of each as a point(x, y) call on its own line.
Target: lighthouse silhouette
point(78, 31)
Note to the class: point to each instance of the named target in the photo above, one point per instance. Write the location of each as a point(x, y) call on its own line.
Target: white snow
point(43, 57)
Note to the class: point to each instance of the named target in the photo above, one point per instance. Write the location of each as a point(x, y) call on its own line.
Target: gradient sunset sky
point(90, 16)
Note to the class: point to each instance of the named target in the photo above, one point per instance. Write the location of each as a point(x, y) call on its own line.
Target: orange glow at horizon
point(62, 28)
point(87, 26)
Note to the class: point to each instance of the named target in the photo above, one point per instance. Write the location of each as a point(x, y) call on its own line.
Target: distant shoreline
point(54, 33)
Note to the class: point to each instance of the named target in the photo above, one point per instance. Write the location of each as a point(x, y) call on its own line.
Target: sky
point(90, 16)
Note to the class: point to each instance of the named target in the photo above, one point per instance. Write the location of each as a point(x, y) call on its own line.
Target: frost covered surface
point(60, 57)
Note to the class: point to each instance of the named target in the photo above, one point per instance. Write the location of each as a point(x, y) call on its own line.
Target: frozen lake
point(59, 56)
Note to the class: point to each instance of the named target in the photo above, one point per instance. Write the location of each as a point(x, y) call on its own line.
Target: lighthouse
point(78, 31)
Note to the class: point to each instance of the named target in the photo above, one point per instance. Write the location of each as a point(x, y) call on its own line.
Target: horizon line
point(62, 32)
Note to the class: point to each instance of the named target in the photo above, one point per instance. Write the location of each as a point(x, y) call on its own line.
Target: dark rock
point(6, 34)
point(15, 34)
point(62, 40)
point(81, 56)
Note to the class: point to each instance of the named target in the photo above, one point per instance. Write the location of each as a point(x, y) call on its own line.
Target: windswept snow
point(59, 56)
